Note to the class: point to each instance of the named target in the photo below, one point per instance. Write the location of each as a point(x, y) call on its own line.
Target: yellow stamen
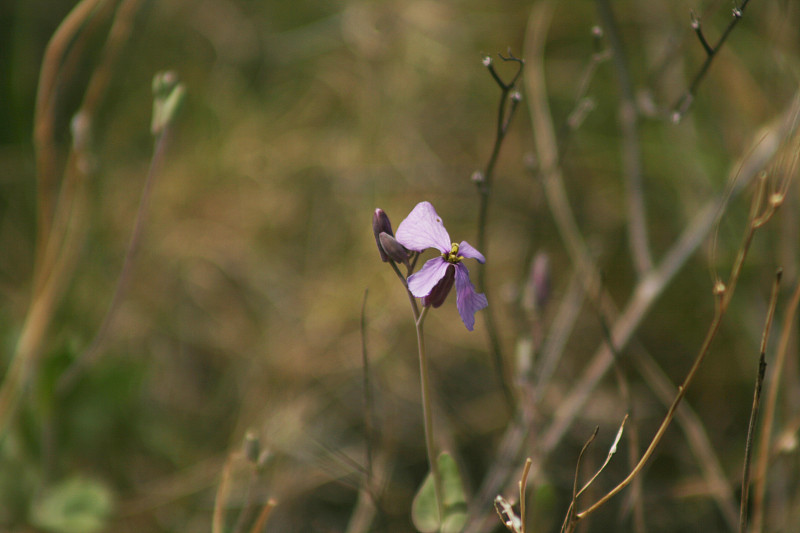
point(452, 256)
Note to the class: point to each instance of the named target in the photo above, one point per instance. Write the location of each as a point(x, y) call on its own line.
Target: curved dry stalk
point(724, 294)
point(484, 183)
point(44, 113)
point(695, 435)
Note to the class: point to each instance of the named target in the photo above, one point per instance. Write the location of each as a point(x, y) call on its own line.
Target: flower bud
point(537, 292)
point(393, 249)
point(440, 291)
point(381, 224)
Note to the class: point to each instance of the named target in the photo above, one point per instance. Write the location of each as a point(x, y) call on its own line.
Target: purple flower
point(423, 229)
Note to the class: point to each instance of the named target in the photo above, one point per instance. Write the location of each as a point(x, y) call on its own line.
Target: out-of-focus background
point(243, 307)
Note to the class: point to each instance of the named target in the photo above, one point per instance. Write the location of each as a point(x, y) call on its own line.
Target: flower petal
point(422, 283)
point(467, 300)
point(465, 249)
point(423, 229)
point(440, 291)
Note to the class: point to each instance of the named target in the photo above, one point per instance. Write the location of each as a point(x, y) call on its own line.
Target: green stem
point(427, 413)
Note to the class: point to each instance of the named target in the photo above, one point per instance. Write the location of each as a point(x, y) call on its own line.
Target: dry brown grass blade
point(44, 114)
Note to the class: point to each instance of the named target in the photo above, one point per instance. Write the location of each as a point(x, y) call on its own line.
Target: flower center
point(452, 256)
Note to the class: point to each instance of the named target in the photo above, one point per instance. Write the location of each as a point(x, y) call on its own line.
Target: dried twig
point(759, 215)
point(762, 461)
point(685, 101)
point(762, 368)
point(649, 287)
point(484, 182)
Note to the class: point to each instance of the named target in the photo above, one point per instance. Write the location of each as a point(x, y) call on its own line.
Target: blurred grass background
point(244, 305)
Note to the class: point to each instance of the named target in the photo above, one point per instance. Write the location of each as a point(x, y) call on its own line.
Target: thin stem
point(44, 115)
point(369, 415)
point(748, 451)
point(427, 412)
point(650, 287)
point(762, 368)
point(68, 378)
point(631, 151)
point(523, 484)
point(724, 295)
point(682, 106)
point(760, 478)
point(411, 299)
point(695, 435)
point(484, 184)
point(569, 520)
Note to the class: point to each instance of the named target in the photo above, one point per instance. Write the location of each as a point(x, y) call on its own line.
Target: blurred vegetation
point(243, 307)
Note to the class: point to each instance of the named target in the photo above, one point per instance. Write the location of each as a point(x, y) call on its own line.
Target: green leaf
point(76, 505)
point(425, 511)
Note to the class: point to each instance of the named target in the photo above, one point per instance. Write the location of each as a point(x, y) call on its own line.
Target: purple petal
point(465, 249)
point(422, 283)
point(423, 229)
point(468, 301)
point(440, 291)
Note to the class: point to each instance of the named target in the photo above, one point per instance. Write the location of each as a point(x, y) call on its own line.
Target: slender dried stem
point(751, 428)
point(762, 460)
point(484, 183)
point(44, 113)
point(695, 435)
point(221, 497)
point(569, 520)
point(68, 378)
point(651, 286)
point(683, 104)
